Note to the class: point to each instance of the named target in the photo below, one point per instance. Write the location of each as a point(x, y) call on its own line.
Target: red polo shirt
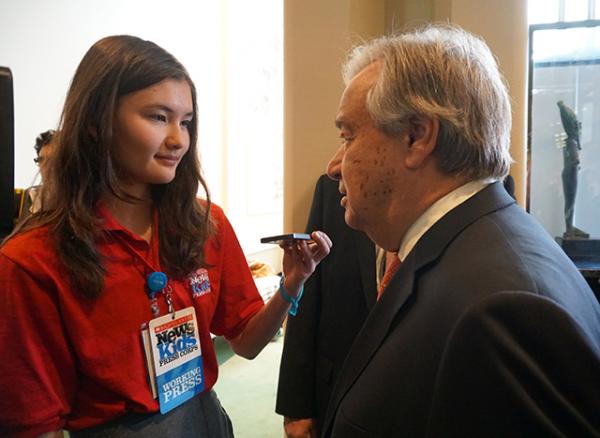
point(70, 362)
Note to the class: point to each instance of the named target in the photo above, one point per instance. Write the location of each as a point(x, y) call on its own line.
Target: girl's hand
point(300, 258)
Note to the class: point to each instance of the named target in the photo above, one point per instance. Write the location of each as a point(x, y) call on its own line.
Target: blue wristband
point(294, 301)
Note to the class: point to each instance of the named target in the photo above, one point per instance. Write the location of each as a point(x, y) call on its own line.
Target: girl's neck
point(136, 216)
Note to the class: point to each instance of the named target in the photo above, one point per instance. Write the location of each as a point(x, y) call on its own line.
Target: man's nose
point(334, 168)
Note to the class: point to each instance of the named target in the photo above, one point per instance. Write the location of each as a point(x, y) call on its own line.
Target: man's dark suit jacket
point(487, 329)
point(335, 304)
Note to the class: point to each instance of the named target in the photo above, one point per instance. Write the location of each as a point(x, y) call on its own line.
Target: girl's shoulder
point(29, 245)
point(221, 230)
point(217, 216)
point(38, 235)
point(216, 211)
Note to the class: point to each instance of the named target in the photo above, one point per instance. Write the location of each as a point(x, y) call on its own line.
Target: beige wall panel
point(402, 14)
point(503, 25)
point(317, 36)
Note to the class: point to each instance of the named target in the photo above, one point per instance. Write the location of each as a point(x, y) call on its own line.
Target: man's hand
point(300, 428)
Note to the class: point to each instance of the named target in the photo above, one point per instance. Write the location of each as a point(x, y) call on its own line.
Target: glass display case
point(563, 190)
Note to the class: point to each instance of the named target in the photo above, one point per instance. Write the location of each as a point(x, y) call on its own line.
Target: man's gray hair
point(446, 73)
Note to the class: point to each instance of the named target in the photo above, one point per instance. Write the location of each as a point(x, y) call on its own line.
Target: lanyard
point(156, 281)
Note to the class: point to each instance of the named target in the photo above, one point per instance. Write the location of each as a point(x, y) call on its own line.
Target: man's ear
point(422, 139)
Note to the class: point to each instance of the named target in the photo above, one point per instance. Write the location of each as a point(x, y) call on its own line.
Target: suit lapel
point(427, 250)
point(372, 334)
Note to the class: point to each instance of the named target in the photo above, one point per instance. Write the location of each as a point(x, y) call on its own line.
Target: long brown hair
point(82, 168)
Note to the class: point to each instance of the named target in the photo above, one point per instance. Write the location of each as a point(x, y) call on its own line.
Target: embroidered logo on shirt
point(199, 283)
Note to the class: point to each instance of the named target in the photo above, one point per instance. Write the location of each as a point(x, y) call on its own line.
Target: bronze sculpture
point(572, 128)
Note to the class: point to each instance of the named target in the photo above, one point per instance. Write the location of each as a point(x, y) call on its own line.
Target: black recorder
point(283, 238)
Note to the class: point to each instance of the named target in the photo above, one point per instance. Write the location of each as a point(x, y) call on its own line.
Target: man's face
point(369, 162)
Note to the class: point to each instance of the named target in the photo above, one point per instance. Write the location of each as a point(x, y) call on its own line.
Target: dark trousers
point(202, 416)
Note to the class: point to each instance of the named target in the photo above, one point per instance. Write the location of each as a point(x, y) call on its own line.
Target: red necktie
point(392, 263)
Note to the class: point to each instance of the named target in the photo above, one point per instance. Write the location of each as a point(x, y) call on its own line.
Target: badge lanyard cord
point(156, 281)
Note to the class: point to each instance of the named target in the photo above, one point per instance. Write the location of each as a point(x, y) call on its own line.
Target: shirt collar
point(109, 223)
point(436, 211)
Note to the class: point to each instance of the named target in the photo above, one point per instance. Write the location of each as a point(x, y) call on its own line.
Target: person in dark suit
point(336, 302)
point(486, 328)
point(509, 186)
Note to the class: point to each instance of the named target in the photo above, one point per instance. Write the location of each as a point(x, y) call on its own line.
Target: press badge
point(176, 357)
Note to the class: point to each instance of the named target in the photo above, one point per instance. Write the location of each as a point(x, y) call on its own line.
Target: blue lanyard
point(156, 280)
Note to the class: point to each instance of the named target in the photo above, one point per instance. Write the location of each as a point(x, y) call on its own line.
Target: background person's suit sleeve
point(295, 391)
point(516, 353)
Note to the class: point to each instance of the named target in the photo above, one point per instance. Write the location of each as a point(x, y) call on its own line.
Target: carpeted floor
point(247, 390)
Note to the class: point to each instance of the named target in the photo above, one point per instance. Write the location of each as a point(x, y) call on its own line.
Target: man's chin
point(353, 221)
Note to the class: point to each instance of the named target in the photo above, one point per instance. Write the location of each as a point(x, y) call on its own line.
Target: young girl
point(111, 291)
